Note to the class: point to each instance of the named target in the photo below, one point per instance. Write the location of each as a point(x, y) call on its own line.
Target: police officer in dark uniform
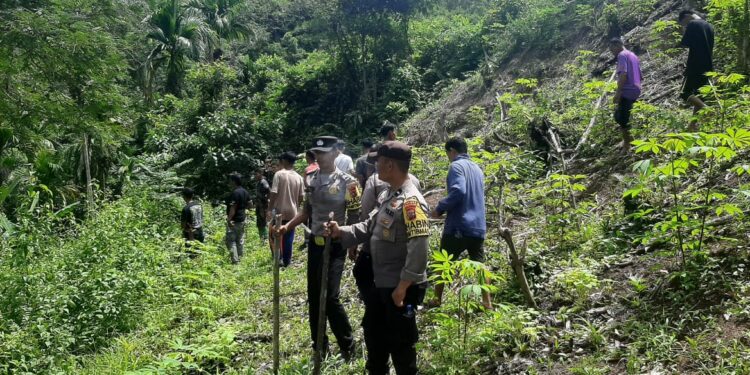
point(328, 190)
point(398, 234)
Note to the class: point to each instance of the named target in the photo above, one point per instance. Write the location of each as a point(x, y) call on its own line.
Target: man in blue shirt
point(465, 224)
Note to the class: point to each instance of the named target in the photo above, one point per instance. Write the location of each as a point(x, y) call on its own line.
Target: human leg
point(229, 239)
point(454, 247)
point(475, 247)
point(401, 329)
point(240, 238)
point(288, 245)
point(335, 311)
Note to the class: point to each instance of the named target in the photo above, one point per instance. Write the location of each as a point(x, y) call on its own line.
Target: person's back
point(237, 204)
point(344, 163)
point(465, 225)
point(467, 219)
point(191, 217)
point(628, 63)
point(287, 191)
point(241, 198)
point(699, 38)
point(289, 187)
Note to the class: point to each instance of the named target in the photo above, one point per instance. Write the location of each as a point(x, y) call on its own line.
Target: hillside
point(637, 262)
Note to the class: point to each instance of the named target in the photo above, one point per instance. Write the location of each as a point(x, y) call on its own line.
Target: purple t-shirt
point(628, 63)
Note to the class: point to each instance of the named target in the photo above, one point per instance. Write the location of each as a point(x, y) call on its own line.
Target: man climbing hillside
point(398, 235)
point(465, 224)
point(698, 36)
point(237, 204)
point(287, 191)
point(628, 87)
point(329, 190)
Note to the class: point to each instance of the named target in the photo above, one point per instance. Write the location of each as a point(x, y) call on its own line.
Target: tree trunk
point(517, 263)
point(744, 50)
point(87, 168)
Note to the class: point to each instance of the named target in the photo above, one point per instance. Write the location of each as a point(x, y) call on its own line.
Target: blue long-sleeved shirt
point(465, 201)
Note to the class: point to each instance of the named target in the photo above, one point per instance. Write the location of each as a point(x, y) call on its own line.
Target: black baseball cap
point(395, 150)
point(324, 143)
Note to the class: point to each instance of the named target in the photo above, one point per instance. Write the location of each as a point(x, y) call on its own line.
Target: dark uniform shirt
point(398, 233)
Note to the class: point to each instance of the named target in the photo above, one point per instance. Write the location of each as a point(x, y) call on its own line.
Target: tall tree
point(60, 87)
point(180, 33)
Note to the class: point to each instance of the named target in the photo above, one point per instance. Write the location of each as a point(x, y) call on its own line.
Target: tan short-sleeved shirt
point(288, 186)
point(398, 232)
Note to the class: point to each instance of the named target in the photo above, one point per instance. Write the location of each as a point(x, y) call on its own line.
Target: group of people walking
point(380, 219)
point(698, 37)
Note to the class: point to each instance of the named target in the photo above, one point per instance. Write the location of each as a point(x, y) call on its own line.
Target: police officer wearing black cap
point(328, 190)
point(398, 234)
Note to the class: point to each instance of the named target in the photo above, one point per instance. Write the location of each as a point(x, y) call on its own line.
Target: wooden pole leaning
point(318, 361)
point(276, 254)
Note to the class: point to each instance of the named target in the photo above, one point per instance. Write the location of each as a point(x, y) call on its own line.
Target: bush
point(74, 291)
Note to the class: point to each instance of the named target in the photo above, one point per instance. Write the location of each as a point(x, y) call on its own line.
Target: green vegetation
point(638, 263)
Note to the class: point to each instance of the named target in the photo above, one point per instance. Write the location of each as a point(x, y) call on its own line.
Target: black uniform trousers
point(335, 312)
point(391, 331)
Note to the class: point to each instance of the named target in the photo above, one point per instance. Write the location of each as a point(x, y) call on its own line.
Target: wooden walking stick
point(322, 304)
point(276, 254)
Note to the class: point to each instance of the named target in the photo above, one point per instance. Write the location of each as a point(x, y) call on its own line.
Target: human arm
point(231, 213)
point(622, 77)
point(417, 247)
point(297, 220)
point(369, 198)
point(350, 235)
point(187, 219)
point(274, 192)
point(456, 191)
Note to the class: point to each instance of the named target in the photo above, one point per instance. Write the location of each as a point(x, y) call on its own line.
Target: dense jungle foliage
point(638, 263)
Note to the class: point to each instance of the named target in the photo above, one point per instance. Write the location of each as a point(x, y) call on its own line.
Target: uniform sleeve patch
point(353, 195)
point(415, 218)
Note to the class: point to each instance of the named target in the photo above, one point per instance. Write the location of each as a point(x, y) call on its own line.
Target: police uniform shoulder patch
point(353, 196)
point(415, 218)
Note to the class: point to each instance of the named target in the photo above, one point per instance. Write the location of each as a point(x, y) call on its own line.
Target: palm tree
point(221, 16)
point(180, 33)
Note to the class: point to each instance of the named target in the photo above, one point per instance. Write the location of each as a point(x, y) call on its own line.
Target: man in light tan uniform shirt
point(398, 234)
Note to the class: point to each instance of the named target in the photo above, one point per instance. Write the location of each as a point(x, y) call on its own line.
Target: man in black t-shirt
point(262, 192)
point(698, 36)
point(191, 218)
point(237, 204)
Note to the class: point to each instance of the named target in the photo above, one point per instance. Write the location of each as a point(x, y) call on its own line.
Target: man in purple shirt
point(628, 87)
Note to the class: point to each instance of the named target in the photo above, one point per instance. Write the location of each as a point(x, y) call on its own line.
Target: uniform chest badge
point(334, 189)
point(386, 232)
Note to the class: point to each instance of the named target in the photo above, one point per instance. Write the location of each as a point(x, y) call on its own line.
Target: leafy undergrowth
point(635, 270)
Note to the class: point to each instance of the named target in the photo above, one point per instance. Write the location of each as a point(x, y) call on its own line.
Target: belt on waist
point(321, 241)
